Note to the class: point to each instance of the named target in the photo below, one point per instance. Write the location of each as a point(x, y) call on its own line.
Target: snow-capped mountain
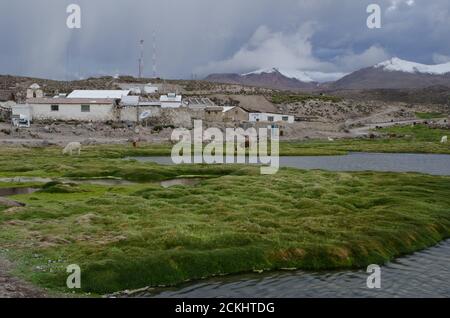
point(302, 76)
point(285, 79)
point(267, 79)
point(398, 65)
point(396, 74)
point(391, 74)
point(299, 75)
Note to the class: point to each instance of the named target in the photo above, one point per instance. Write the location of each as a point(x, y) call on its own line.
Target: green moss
point(431, 115)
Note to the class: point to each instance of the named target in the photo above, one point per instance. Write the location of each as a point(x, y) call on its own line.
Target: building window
point(55, 108)
point(85, 108)
point(285, 118)
point(270, 118)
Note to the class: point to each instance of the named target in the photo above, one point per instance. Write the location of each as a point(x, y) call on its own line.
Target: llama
point(71, 147)
point(444, 140)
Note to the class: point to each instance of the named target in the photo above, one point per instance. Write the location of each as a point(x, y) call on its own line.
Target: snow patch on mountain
point(399, 65)
point(303, 76)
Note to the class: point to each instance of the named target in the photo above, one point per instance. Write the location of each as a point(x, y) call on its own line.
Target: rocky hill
point(273, 79)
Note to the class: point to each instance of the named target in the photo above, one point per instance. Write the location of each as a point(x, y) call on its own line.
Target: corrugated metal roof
point(227, 108)
point(198, 102)
point(214, 108)
point(170, 98)
point(56, 101)
point(116, 94)
point(130, 100)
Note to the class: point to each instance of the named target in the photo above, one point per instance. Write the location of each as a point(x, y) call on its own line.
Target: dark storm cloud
point(205, 36)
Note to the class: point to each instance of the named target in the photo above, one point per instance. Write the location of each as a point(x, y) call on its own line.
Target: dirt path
point(366, 129)
point(12, 287)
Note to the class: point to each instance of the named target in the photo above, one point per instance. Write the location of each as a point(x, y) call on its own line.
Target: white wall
point(150, 89)
point(254, 117)
point(21, 109)
point(98, 112)
point(171, 104)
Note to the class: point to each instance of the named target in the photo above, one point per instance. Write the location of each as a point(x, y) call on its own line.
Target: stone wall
point(132, 113)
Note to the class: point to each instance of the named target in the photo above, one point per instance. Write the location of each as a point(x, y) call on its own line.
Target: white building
point(129, 101)
point(99, 94)
point(271, 118)
point(171, 100)
point(140, 89)
point(35, 91)
point(150, 89)
point(82, 109)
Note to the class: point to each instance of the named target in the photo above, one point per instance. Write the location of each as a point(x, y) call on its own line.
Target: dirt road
point(365, 130)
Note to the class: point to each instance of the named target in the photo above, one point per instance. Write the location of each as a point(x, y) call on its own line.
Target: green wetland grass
point(429, 115)
point(235, 220)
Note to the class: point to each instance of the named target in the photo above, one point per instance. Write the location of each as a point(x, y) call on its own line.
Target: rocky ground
point(87, 133)
point(91, 134)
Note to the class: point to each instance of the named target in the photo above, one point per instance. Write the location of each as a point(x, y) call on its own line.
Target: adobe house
point(234, 114)
point(213, 113)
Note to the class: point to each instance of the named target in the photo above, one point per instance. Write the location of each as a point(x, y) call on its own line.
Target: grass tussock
point(130, 236)
point(235, 220)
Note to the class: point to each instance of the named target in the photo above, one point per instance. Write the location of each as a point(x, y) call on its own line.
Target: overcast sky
point(206, 36)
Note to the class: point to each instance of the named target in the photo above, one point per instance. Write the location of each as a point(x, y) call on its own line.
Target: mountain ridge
point(394, 73)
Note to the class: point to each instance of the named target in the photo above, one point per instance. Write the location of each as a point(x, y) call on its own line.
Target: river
point(394, 162)
point(422, 274)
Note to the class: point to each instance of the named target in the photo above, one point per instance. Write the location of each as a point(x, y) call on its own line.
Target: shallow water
point(105, 182)
point(422, 274)
point(26, 179)
point(6, 192)
point(96, 181)
point(388, 162)
point(180, 181)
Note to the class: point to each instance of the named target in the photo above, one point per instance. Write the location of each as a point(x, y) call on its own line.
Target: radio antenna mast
point(154, 54)
point(141, 59)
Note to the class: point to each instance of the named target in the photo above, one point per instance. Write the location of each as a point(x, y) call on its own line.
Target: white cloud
point(352, 61)
point(292, 52)
point(440, 58)
point(395, 4)
point(267, 49)
point(40, 44)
